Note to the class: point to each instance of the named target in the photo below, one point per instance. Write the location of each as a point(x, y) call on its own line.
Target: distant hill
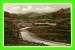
point(59, 14)
point(67, 10)
point(32, 13)
point(62, 13)
point(7, 14)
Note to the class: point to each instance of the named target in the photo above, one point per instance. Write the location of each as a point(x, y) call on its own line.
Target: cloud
point(25, 8)
point(38, 9)
point(14, 8)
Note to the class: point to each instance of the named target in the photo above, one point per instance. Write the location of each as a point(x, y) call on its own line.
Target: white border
point(37, 46)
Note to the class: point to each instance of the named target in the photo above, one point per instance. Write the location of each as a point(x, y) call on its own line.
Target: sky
point(34, 7)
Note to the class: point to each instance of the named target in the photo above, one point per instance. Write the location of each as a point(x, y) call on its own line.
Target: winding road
point(26, 35)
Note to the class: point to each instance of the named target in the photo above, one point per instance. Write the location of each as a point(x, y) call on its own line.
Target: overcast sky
point(33, 7)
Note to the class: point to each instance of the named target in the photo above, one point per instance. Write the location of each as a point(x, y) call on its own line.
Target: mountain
point(7, 14)
point(59, 14)
point(62, 13)
point(67, 10)
point(32, 13)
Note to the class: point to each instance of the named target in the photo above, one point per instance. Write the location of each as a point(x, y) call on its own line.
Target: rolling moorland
point(61, 32)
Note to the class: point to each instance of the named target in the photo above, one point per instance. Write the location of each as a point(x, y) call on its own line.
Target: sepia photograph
point(37, 24)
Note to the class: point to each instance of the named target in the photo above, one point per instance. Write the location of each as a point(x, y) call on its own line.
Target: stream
point(26, 35)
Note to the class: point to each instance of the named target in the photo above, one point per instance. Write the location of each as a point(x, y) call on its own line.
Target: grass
point(12, 36)
point(59, 33)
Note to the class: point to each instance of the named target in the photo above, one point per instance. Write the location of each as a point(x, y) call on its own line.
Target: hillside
point(12, 35)
point(62, 14)
point(60, 33)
